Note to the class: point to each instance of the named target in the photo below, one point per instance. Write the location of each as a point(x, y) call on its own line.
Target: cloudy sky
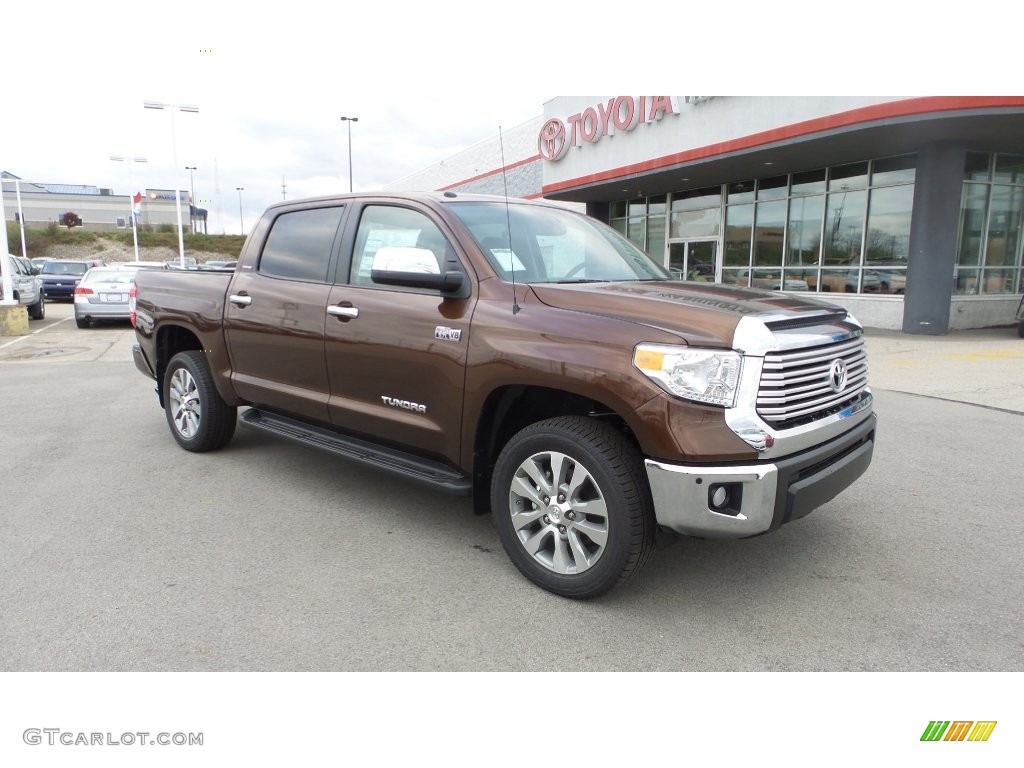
point(426, 80)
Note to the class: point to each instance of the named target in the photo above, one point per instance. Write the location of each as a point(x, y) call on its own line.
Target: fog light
point(726, 498)
point(719, 496)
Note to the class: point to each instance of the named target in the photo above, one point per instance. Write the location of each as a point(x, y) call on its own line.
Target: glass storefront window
point(808, 183)
point(741, 192)
point(1004, 221)
point(853, 176)
point(804, 234)
point(991, 218)
point(698, 223)
point(893, 170)
point(773, 189)
point(617, 210)
point(692, 199)
point(844, 225)
point(635, 231)
point(739, 223)
point(888, 232)
point(656, 236)
point(976, 167)
point(1009, 169)
point(638, 207)
point(768, 233)
point(972, 223)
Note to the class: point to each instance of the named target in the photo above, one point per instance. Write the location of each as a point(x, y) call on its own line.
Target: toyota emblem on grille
point(837, 375)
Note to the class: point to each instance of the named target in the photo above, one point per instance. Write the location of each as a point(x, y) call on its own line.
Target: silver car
point(103, 295)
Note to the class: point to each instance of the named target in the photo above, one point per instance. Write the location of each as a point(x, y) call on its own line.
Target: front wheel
point(572, 506)
point(199, 419)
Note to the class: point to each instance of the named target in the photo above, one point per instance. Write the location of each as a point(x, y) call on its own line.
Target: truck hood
point(703, 314)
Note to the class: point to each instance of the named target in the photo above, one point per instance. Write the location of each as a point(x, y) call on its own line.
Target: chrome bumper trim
point(680, 495)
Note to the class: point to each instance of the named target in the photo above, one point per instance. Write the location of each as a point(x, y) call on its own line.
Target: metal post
point(174, 156)
point(349, 121)
point(241, 222)
point(192, 202)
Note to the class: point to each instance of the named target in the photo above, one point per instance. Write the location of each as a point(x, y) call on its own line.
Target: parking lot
point(122, 552)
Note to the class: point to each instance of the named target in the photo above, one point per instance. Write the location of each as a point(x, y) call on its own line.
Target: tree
point(70, 219)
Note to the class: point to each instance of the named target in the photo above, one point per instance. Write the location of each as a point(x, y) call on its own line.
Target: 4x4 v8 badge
point(445, 333)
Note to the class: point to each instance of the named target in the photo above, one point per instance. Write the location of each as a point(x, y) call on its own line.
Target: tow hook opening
point(725, 498)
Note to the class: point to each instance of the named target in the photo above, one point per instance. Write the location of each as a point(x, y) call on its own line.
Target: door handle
point(345, 312)
point(240, 299)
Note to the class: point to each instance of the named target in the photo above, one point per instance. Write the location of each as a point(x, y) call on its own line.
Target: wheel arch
point(509, 409)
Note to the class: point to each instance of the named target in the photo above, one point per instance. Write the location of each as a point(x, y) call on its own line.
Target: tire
point(82, 322)
point(199, 419)
point(1020, 329)
point(37, 311)
point(593, 536)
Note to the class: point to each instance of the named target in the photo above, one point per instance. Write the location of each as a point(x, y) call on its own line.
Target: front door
point(396, 356)
point(694, 260)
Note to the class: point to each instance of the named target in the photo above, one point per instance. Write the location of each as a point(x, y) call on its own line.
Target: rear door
point(275, 313)
point(396, 356)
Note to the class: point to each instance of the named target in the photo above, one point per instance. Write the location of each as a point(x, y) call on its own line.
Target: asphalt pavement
point(120, 552)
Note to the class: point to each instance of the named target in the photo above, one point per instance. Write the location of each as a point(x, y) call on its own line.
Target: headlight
point(704, 375)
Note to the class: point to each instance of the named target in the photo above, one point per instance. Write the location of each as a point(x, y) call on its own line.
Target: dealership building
point(908, 211)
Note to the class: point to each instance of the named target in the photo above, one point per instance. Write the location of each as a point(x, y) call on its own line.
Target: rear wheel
point(82, 322)
point(199, 419)
point(572, 507)
point(37, 311)
point(1020, 329)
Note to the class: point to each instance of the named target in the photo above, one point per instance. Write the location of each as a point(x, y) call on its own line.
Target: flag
point(137, 200)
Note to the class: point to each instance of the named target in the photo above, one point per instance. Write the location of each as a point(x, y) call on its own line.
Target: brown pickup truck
point(522, 353)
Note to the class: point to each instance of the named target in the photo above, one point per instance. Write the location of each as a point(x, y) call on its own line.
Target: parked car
point(26, 285)
point(61, 277)
point(38, 261)
point(1020, 318)
point(103, 295)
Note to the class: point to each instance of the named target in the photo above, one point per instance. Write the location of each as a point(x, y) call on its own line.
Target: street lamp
point(131, 198)
point(192, 201)
point(241, 222)
point(349, 121)
point(174, 155)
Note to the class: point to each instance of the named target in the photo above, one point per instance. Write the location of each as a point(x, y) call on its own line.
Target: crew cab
point(525, 354)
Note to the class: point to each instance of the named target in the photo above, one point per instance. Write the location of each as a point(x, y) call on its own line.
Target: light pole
point(131, 195)
point(349, 121)
point(241, 222)
point(174, 154)
point(192, 192)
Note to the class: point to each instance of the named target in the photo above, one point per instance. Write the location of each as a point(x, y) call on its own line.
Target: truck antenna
point(508, 224)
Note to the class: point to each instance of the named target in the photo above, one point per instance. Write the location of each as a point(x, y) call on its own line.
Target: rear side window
point(300, 244)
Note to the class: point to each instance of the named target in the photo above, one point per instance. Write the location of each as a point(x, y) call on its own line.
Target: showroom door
point(694, 260)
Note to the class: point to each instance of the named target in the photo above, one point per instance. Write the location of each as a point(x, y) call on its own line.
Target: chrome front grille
point(797, 384)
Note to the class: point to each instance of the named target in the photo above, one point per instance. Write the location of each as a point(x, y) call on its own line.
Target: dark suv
point(61, 277)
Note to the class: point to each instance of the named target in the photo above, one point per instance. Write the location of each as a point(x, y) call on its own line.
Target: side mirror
point(416, 268)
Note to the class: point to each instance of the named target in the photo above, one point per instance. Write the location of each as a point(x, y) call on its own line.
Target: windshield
point(552, 245)
point(65, 268)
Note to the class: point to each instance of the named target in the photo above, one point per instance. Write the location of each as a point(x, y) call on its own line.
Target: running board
point(436, 475)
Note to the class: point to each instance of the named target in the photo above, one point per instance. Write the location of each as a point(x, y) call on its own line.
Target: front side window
point(388, 226)
point(300, 244)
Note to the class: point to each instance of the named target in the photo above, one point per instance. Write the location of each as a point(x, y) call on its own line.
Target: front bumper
point(761, 496)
